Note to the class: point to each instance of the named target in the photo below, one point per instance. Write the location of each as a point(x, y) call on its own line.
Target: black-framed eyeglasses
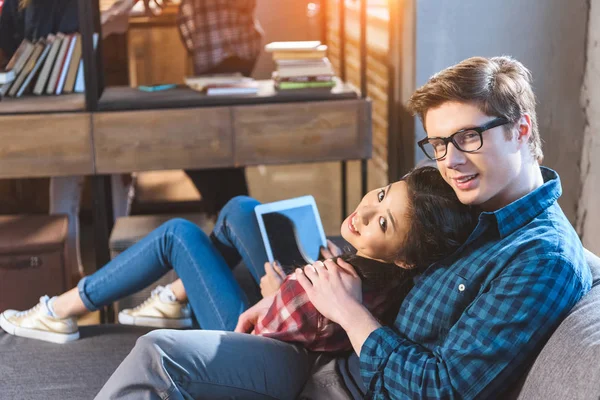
point(466, 140)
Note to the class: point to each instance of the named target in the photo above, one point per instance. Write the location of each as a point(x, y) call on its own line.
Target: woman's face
point(379, 224)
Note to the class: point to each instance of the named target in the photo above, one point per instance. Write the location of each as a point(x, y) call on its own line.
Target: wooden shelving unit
point(120, 129)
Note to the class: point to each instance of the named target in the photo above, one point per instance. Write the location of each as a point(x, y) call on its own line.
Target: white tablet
point(291, 231)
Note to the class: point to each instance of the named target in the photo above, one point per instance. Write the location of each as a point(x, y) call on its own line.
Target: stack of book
point(51, 65)
point(223, 84)
point(301, 65)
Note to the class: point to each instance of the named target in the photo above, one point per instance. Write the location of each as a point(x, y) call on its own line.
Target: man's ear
point(524, 129)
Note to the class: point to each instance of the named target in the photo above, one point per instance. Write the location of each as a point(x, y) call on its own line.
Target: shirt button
point(461, 287)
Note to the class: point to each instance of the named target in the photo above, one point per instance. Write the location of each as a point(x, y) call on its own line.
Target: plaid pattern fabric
point(293, 318)
point(475, 320)
point(213, 30)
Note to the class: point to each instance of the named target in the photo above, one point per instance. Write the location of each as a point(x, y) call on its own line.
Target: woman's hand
point(249, 318)
point(272, 279)
point(331, 251)
point(332, 288)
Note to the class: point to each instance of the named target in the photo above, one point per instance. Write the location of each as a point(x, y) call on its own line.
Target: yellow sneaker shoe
point(160, 310)
point(38, 323)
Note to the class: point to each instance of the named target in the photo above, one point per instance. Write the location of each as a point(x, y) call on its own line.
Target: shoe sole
point(52, 337)
point(125, 319)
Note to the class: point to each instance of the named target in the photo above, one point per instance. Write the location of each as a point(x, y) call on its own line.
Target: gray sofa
point(568, 366)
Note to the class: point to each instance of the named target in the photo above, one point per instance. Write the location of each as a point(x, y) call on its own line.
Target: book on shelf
point(314, 78)
point(319, 52)
point(292, 71)
point(58, 64)
point(73, 65)
point(304, 85)
point(241, 88)
point(25, 87)
point(28, 67)
point(16, 63)
point(297, 46)
point(56, 41)
point(80, 79)
point(7, 76)
point(51, 65)
point(199, 82)
point(65, 65)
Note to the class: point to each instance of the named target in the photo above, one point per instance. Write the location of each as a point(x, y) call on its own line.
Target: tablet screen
point(293, 235)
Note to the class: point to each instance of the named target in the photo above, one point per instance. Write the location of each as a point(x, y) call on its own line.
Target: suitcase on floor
point(33, 259)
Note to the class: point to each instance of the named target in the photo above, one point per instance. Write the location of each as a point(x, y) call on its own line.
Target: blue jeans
point(202, 263)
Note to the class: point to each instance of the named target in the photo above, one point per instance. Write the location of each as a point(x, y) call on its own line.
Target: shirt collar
point(522, 211)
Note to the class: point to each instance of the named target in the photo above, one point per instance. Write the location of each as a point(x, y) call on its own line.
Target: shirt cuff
point(376, 350)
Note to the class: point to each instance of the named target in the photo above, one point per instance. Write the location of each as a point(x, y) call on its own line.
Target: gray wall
point(547, 36)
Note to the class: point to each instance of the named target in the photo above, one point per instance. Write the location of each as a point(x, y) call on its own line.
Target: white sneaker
point(158, 311)
point(38, 323)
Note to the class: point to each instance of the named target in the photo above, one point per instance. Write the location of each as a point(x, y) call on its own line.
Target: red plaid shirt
point(293, 318)
point(214, 30)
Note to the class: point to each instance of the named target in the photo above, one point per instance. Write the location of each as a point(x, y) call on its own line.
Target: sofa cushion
point(32, 369)
point(568, 367)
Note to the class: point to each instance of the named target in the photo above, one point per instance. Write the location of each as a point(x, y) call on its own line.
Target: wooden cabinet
point(302, 132)
point(162, 139)
point(38, 145)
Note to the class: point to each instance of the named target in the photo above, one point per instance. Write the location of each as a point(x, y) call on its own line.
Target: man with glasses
point(473, 322)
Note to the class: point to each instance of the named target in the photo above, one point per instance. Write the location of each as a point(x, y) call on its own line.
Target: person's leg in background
point(209, 365)
point(65, 198)
point(122, 194)
point(218, 185)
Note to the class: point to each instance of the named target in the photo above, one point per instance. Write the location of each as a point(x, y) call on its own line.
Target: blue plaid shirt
point(474, 321)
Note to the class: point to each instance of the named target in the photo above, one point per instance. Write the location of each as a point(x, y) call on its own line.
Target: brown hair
point(499, 86)
point(23, 4)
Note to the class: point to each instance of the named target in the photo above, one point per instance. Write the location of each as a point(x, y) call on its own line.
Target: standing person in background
point(223, 37)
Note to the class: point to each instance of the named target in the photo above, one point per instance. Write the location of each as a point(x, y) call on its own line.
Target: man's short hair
point(499, 86)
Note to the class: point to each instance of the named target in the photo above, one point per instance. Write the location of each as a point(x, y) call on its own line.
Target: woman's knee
point(238, 207)
point(179, 225)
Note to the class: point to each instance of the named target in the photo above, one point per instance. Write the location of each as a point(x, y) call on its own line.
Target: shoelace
point(25, 313)
point(153, 294)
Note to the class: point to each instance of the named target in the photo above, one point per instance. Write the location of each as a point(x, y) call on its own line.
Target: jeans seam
point(201, 279)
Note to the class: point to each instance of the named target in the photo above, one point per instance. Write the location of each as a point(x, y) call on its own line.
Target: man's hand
point(333, 289)
point(272, 279)
point(331, 251)
point(249, 318)
point(115, 20)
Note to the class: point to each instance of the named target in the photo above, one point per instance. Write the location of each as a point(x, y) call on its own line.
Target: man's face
point(491, 176)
